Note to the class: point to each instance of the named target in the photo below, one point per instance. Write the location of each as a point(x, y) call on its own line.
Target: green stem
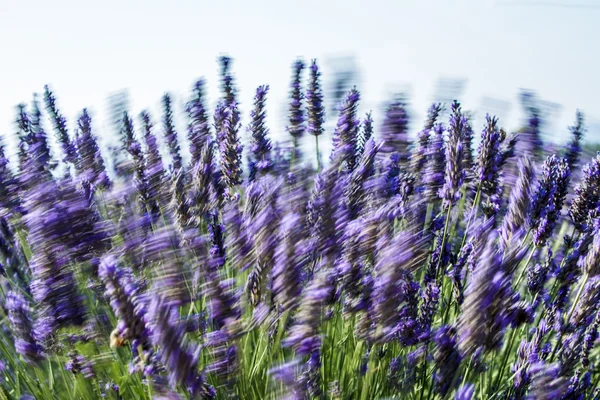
point(586, 277)
point(318, 155)
point(472, 215)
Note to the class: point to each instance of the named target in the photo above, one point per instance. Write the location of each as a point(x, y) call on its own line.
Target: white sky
point(86, 50)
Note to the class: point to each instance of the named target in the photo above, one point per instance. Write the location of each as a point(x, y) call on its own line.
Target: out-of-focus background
point(101, 54)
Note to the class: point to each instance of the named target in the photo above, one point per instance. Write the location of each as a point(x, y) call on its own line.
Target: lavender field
point(463, 263)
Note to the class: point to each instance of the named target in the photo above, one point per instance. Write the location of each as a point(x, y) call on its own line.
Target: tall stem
point(317, 151)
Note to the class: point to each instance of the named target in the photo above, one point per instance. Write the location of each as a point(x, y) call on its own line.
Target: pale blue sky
point(85, 50)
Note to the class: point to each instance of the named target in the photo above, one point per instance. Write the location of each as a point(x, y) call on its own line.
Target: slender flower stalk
point(394, 132)
point(170, 133)
point(154, 165)
point(454, 172)
point(315, 109)
point(260, 143)
point(419, 155)
point(587, 196)
point(296, 117)
point(19, 315)
point(60, 126)
point(176, 354)
point(574, 147)
point(90, 162)
point(346, 131)
point(227, 87)
point(364, 135)
point(548, 199)
point(231, 148)
point(433, 176)
point(199, 134)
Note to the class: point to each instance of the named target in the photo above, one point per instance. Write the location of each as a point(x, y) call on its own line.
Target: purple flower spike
point(454, 173)
point(260, 143)
point(314, 102)
point(60, 126)
point(175, 353)
point(296, 114)
point(199, 133)
point(90, 163)
point(19, 315)
point(346, 131)
point(170, 132)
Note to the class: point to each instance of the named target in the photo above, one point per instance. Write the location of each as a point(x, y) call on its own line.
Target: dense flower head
point(433, 175)
point(170, 133)
point(60, 125)
point(394, 132)
point(574, 147)
point(487, 169)
point(587, 195)
point(548, 199)
point(315, 109)
point(346, 131)
point(199, 134)
point(296, 114)
point(454, 172)
point(419, 155)
point(260, 143)
point(19, 315)
point(90, 163)
point(230, 147)
point(176, 354)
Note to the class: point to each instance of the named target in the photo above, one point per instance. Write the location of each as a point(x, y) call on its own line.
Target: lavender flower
point(290, 259)
point(303, 335)
point(574, 147)
point(9, 189)
point(198, 127)
point(154, 165)
point(548, 199)
point(487, 167)
point(202, 178)
point(263, 229)
point(231, 148)
point(546, 383)
point(237, 242)
point(19, 315)
point(315, 109)
point(127, 301)
point(38, 135)
point(176, 354)
point(486, 311)
point(146, 196)
point(529, 136)
point(433, 177)
point(454, 172)
point(296, 114)
point(60, 126)
point(354, 193)
point(227, 80)
point(587, 196)
point(519, 203)
point(467, 142)
point(447, 359)
point(346, 131)
point(364, 136)
point(170, 133)
point(394, 132)
point(393, 295)
point(419, 154)
point(465, 392)
point(90, 163)
point(260, 143)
